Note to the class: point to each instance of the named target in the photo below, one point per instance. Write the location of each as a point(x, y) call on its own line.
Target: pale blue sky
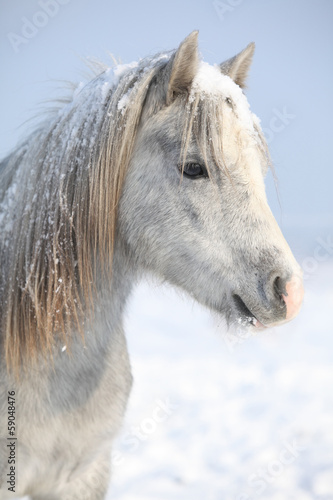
point(292, 73)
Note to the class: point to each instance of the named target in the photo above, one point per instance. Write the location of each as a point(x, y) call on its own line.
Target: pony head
point(194, 209)
point(158, 167)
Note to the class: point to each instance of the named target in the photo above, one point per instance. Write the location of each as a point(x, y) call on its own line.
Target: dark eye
point(229, 101)
point(193, 170)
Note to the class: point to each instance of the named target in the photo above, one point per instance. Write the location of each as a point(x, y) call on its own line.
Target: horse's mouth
point(246, 317)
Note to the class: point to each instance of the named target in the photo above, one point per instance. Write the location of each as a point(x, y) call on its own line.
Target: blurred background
point(244, 417)
point(290, 84)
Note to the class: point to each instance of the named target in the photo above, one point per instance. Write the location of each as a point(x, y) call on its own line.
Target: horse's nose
point(293, 296)
point(291, 292)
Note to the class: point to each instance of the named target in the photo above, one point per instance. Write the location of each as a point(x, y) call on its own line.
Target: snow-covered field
point(213, 416)
point(218, 417)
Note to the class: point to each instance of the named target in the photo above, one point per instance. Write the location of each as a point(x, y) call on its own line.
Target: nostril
point(277, 286)
point(282, 294)
point(279, 289)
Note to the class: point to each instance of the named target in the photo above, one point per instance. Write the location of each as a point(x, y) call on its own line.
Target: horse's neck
point(113, 295)
point(103, 332)
point(99, 359)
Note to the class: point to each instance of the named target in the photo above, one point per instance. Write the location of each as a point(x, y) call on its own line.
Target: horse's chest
point(71, 411)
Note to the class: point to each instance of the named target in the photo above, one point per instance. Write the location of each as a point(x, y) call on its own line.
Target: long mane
point(59, 193)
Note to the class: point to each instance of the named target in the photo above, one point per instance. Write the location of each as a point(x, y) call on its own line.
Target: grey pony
point(156, 168)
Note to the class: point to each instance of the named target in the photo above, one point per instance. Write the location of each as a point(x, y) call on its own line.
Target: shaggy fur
point(93, 200)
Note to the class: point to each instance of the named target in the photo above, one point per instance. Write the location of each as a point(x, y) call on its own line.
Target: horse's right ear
point(184, 65)
point(238, 66)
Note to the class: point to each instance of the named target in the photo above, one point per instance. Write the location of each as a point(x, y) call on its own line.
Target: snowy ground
point(214, 417)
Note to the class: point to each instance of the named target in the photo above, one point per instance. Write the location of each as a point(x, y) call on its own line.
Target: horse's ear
point(238, 66)
point(184, 65)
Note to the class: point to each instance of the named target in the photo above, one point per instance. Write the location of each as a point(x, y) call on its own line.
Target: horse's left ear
point(184, 65)
point(238, 66)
